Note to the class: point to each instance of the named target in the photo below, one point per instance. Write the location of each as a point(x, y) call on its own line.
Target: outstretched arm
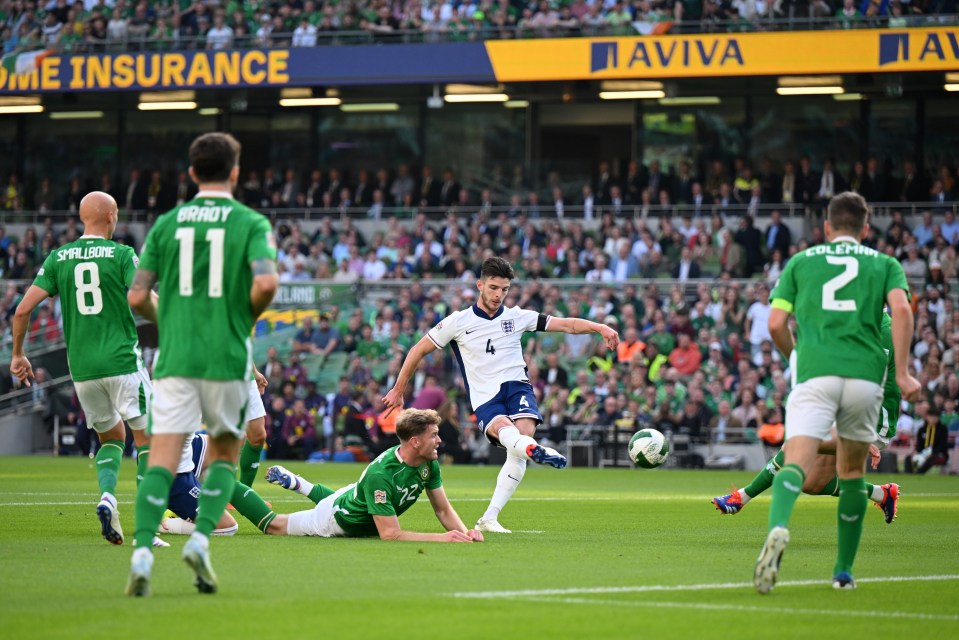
point(19, 365)
point(389, 529)
point(394, 398)
point(579, 325)
point(447, 515)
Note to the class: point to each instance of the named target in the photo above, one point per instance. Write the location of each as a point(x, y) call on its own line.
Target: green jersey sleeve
point(784, 295)
point(378, 491)
point(46, 278)
point(434, 481)
point(895, 277)
point(128, 266)
point(149, 258)
point(261, 244)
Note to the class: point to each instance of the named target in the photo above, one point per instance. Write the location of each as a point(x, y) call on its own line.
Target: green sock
point(318, 492)
point(249, 463)
point(764, 479)
point(786, 489)
point(831, 488)
point(108, 465)
point(215, 493)
point(143, 460)
point(153, 495)
point(852, 509)
point(251, 506)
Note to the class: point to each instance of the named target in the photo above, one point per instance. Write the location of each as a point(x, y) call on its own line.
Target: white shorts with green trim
point(853, 405)
point(318, 521)
point(255, 409)
point(181, 404)
point(105, 401)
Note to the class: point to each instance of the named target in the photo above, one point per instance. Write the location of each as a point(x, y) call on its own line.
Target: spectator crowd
point(696, 356)
point(99, 25)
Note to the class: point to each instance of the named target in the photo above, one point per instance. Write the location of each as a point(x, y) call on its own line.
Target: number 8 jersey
point(837, 292)
point(91, 275)
point(487, 349)
point(201, 253)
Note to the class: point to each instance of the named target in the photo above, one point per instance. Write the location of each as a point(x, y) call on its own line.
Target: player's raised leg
point(732, 503)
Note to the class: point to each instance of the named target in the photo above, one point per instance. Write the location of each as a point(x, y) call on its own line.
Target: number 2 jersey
point(487, 349)
point(388, 487)
point(201, 253)
point(91, 275)
point(837, 292)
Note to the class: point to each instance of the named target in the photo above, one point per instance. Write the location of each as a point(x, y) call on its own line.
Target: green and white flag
point(24, 61)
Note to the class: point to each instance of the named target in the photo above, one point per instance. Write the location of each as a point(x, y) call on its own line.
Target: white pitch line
point(750, 608)
point(679, 587)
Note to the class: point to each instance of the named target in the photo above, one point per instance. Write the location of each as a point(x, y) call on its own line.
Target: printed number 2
point(829, 302)
point(490, 349)
point(216, 239)
point(86, 276)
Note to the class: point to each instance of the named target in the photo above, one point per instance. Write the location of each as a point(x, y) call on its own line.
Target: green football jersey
point(837, 292)
point(201, 253)
point(91, 275)
point(891, 396)
point(388, 487)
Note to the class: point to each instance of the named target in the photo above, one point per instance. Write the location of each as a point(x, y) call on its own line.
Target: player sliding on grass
point(370, 507)
point(91, 275)
point(486, 342)
point(821, 478)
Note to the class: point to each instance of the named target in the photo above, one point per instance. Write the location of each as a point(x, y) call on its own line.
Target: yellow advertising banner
point(733, 54)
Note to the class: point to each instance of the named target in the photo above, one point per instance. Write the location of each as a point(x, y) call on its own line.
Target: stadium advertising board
point(742, 54)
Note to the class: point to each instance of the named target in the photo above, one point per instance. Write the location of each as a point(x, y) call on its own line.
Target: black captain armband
point(541, 322)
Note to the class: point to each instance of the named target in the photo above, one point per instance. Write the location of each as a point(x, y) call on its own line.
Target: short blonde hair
point(413, 422)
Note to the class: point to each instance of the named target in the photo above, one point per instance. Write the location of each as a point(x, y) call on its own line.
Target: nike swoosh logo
point(471, 331)
point(848, 518)
point(159, 502)
point(104, 461)
point(247, 492)
point(255, 465)
point(212, 492)
point(512, 478)
point(792, 487)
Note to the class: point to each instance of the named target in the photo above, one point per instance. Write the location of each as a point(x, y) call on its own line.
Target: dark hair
point(414, 422)
point(213, 156)
point(497, 268)
point(848, 211)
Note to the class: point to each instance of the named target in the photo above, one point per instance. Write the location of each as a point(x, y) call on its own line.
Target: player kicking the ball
point(372, 506)
point(91, 275)
point(822, 479)
point(485, 340)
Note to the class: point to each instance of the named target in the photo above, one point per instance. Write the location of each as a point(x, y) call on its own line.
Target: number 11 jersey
point(837, 292)
point(91, 275)
point(201, 252)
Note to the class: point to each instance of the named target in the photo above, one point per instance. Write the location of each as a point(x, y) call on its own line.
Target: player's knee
point(256, 432)
point(526, 426)
point(116, 432)
point(498, 424)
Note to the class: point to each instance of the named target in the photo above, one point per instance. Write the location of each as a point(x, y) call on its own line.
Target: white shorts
point(106, 400)
point(853, 405)
point(255, 408)
point(318, 521)
point(181, 404)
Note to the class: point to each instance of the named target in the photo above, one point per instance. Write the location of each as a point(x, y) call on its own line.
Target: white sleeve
point(527, 320)
point(446, 331)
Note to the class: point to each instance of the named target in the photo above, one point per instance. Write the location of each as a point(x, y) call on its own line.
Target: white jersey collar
point(90, 236)
point(844, 239)
point(211, 193)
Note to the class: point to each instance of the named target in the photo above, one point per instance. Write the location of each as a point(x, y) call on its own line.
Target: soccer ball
point(648, 448)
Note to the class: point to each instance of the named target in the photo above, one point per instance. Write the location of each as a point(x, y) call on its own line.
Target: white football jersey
point(488, 349)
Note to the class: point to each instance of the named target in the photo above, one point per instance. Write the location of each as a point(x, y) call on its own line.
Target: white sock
point(226, 531)
point(304, 486)
point(743, 496)
point(877, 493)
point(177, 526)
point(506, 482)
point(514, 441)
point(202, 539)
point(142, 551)
point(110, 498)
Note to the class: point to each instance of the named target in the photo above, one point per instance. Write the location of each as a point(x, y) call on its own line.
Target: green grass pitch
point(608, 553)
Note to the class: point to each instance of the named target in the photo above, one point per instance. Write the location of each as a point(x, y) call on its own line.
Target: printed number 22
point(851, 270)
point(490, 349)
